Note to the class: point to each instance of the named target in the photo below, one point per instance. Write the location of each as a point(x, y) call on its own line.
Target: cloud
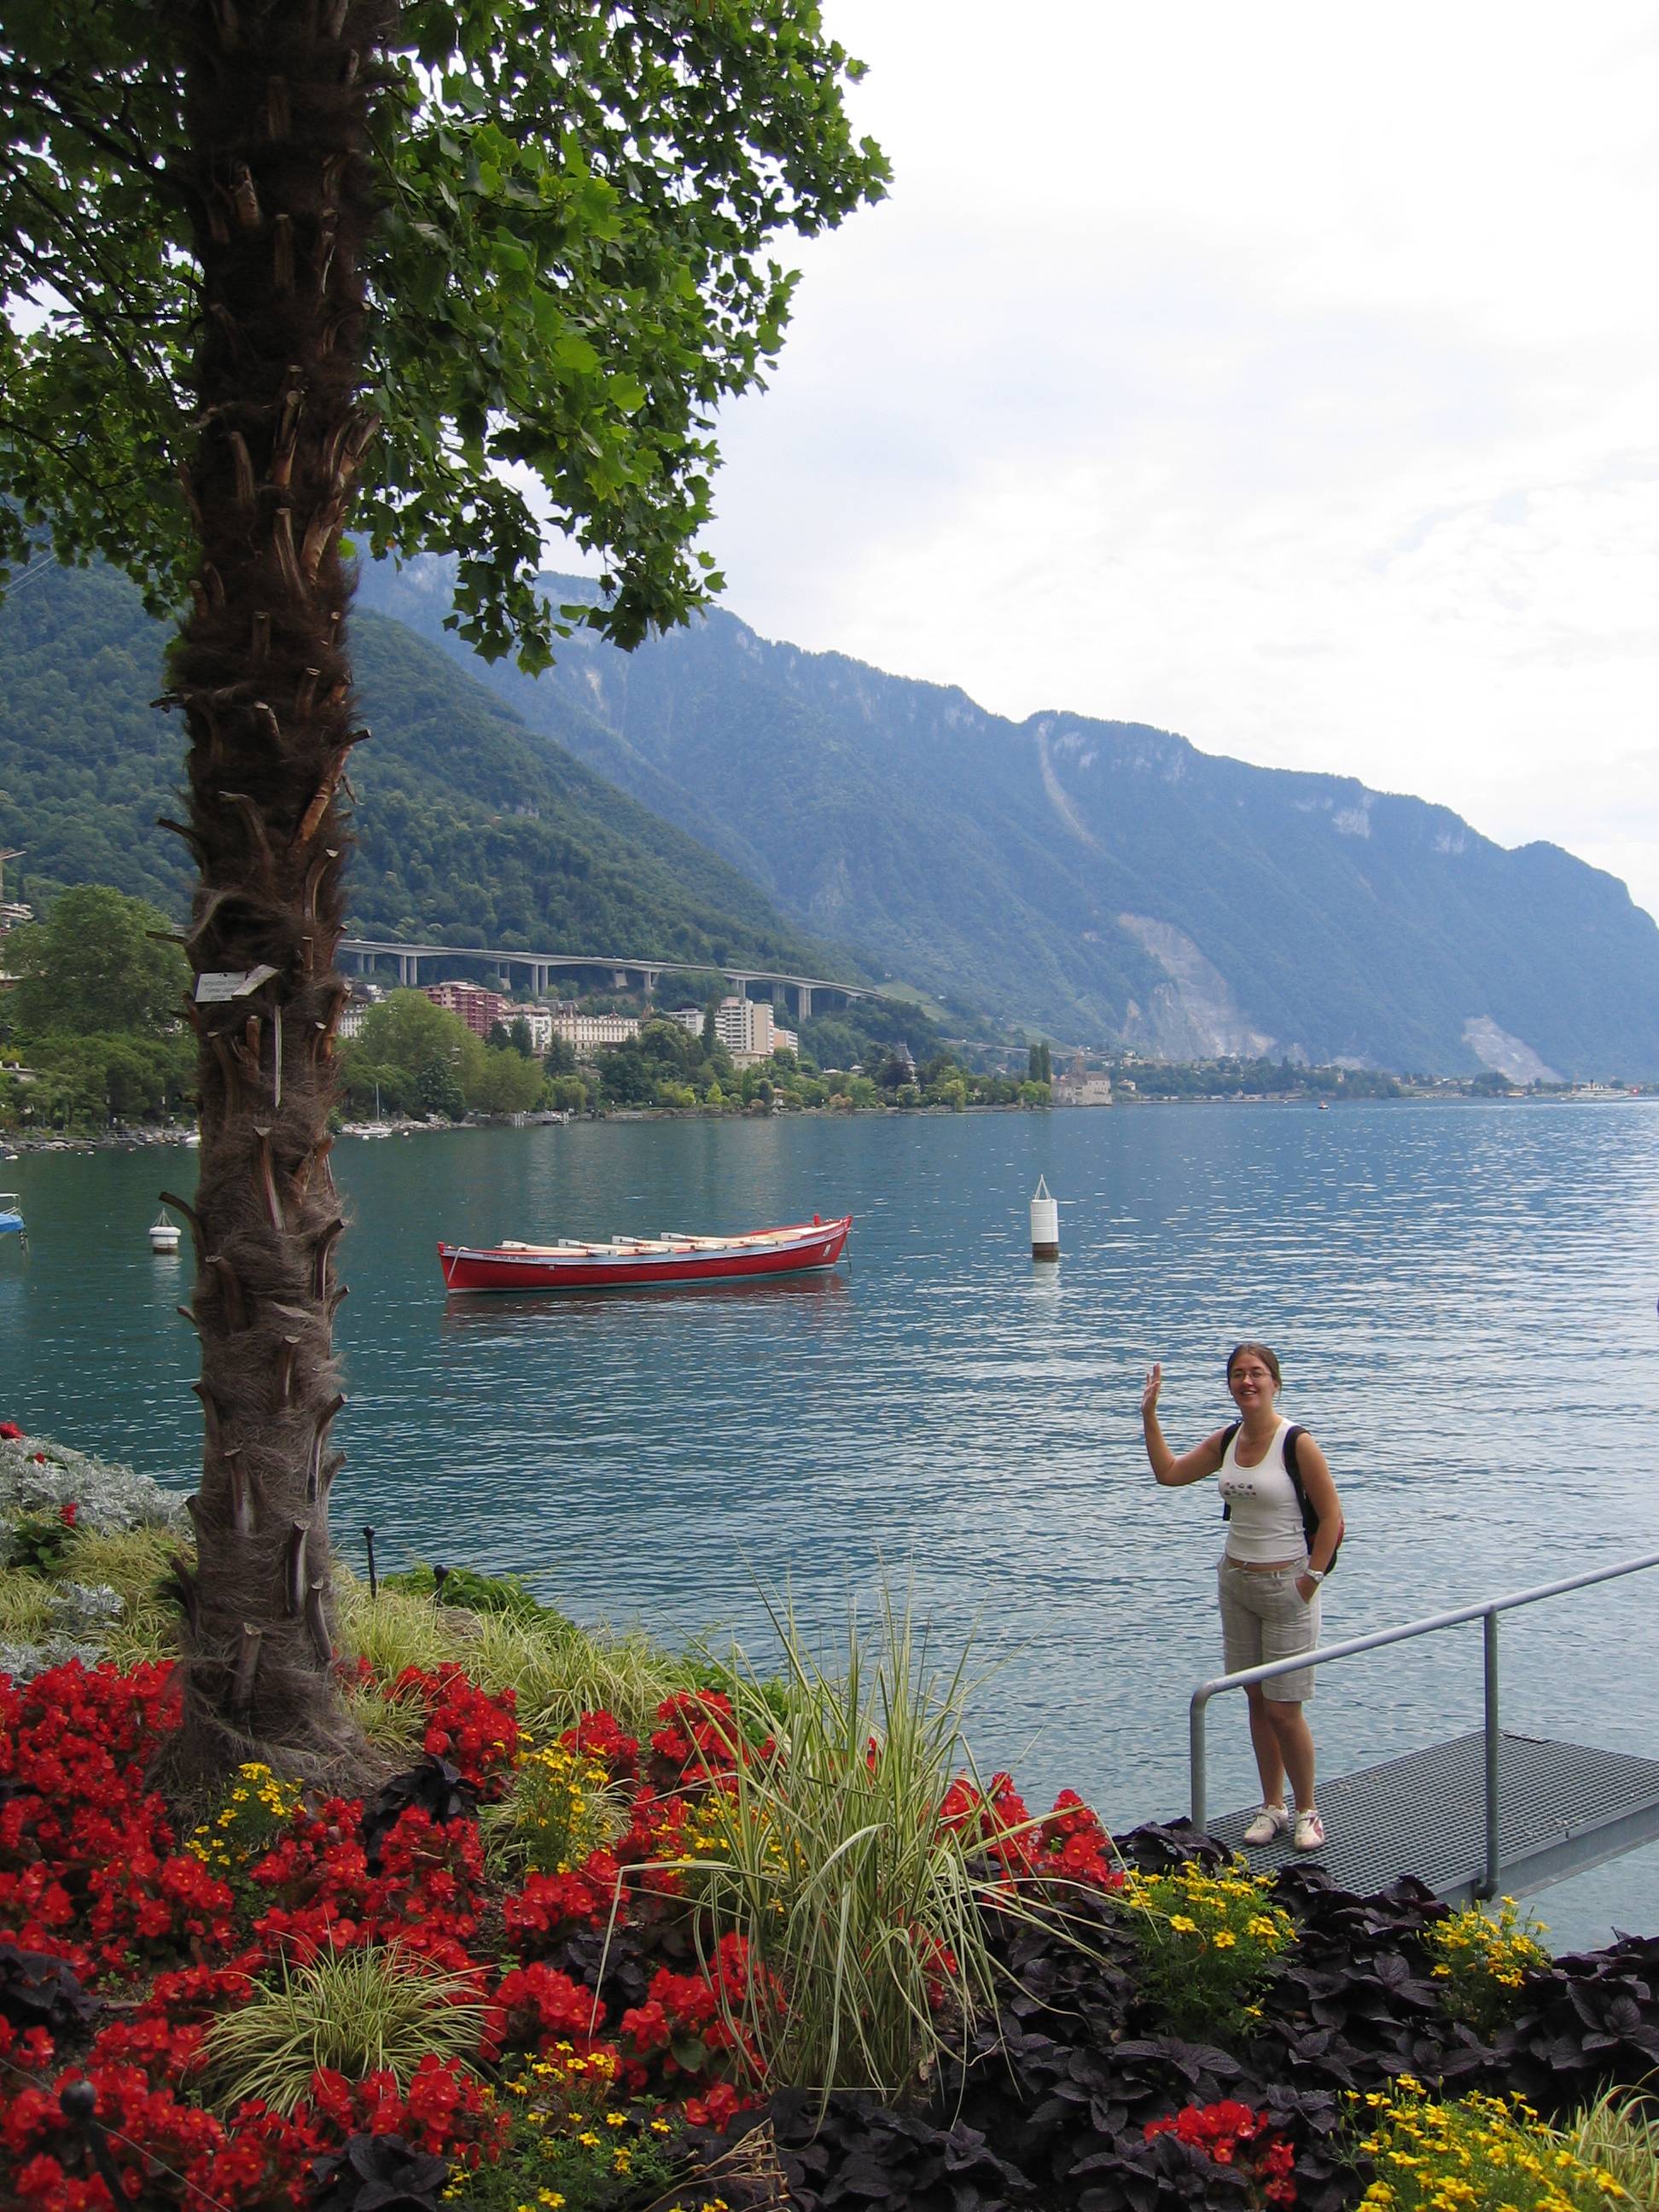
point(1286, 377)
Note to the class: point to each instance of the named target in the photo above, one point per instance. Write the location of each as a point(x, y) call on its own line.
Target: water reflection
point(494, 1310)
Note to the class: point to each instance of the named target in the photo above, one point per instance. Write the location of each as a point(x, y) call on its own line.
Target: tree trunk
point(278, 184)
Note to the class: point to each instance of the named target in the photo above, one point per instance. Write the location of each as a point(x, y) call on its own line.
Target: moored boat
point(12, 1223)
point(644, 1262)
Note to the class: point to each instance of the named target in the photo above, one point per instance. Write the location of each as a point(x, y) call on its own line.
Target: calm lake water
point(1462, 1296)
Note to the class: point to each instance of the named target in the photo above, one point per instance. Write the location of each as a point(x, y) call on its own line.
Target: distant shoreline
point(19, 1143)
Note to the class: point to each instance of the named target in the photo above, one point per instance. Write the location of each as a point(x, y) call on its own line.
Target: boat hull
point(806, 1248)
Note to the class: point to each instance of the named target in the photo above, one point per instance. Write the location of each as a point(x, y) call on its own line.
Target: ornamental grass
point(381, 2010)
point(862, 1911)
point(25, 1602)
point(557, 1671)
point(1619, 2135)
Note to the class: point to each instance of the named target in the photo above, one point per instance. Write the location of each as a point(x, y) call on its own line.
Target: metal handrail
point(1485, 1612)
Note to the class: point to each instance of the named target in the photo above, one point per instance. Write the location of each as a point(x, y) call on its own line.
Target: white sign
point(230, 983)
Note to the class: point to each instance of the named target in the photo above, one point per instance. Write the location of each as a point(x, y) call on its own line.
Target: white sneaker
point(1270, 1822)
point(1309, 1832)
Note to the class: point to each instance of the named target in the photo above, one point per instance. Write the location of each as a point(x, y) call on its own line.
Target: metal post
point(1195, 1763)
point(373, 1581)
point(1489, 1639)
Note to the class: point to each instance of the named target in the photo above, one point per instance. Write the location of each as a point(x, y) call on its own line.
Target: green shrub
point(357, 2012)
point(475, 1593)
point(574, 2144)
point(1481, 1963)
point(1209, 1944)
point(1477, 2153)
point(36, 1544)
point(258, 1807)
point(561, 1807)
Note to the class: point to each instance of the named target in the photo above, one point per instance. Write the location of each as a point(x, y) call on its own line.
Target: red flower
point(1230, 2134)
point(66, 1513)
point(10, 1433)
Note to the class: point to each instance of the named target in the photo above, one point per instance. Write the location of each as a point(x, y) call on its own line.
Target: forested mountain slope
point(1106, 878)
point(471, 830)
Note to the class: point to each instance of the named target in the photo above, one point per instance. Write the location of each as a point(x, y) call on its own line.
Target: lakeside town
point(93, 1049)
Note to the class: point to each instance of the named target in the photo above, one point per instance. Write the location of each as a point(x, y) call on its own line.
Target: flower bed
point(520, 1976)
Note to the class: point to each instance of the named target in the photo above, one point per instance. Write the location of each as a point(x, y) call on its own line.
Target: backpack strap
point(1227, 1436)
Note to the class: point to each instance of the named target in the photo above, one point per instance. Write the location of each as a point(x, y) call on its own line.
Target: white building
point(749, 1031)
point(689, 1017)
point(592, 1032)
point(355, 1011)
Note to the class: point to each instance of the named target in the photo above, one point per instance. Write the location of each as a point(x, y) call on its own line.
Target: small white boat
point(164, 1233)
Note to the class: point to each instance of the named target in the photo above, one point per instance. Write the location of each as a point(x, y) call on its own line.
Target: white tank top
point(1267, 1520)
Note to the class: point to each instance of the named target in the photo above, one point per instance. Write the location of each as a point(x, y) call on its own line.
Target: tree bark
point(278, 185)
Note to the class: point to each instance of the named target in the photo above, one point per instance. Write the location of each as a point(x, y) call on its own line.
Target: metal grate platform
point(1562, 1807)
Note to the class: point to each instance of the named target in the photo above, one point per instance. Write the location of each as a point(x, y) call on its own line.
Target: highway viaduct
point(620, 971)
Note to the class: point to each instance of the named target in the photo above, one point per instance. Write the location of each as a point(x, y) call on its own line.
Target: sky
point(1286, 376)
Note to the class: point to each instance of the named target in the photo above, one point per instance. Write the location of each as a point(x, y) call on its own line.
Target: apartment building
point(479, 1009)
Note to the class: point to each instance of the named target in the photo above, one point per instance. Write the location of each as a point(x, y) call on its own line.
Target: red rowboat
point(632, 1263)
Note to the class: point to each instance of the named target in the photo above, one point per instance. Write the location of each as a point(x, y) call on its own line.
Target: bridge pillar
point(803, 1002)
point(651, 976)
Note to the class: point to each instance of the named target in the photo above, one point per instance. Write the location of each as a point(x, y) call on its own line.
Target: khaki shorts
point(1263, 1617)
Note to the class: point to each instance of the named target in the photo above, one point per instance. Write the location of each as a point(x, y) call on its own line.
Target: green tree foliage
point(92, 965)
point(570, 272)
point(424, 1061)
point(1250, 1078)
point(95, 1015)
point(508, 1083)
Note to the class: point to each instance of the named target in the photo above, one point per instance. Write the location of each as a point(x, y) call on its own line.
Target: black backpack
point(1309, 1515)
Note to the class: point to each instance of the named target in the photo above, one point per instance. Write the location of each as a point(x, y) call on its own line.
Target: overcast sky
point(1287, 376)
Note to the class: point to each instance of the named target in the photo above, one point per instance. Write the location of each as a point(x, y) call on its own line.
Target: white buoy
point(164, 1233)
point(1045, 1223)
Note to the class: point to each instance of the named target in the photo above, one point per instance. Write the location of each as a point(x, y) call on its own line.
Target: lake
point(1462, 1296)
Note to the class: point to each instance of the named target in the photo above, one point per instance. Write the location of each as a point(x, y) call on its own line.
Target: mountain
point(471, 829)
point(1104, 879)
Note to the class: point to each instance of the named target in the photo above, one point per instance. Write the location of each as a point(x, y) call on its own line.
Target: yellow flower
point(1224, 1940)
point(1183, 1925)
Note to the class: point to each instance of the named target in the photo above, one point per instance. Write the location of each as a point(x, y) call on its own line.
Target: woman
point(1269, 1574)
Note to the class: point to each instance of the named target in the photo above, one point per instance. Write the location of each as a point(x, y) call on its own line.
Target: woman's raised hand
point(1154, 1384)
